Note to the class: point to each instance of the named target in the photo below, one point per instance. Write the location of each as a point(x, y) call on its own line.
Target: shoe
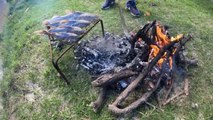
point(107, 4)
point(131, 6)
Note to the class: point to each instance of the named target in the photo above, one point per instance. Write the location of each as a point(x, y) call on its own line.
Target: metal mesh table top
point(69, 28)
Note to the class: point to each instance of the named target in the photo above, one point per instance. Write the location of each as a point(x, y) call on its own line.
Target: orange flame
point(162, 39)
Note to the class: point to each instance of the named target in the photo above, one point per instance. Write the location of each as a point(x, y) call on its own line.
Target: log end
point(115, 110)
point(95, 106)
point(94, 83)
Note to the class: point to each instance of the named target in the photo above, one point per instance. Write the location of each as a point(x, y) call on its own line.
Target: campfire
point(151, 62)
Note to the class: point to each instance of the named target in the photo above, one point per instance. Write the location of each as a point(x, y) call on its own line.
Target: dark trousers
point(130, 0)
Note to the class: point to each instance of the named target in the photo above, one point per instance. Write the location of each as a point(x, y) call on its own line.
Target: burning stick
point(133, 85)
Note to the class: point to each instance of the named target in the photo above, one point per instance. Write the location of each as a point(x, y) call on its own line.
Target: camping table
point(61, 29)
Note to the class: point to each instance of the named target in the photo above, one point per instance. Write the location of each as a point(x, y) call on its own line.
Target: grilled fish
point(75, 30)
point(65, 37)
point(76, 23)
point(57, 19)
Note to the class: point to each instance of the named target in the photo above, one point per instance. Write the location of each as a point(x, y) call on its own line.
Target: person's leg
point(131, 6)
point(107, 4)
point(131, 0)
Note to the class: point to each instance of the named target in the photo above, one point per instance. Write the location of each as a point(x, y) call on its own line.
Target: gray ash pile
point(100, 55)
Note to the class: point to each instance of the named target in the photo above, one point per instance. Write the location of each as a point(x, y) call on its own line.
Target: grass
point(28, 69)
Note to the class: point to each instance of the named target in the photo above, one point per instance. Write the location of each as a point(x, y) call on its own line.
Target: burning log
point(136, 82)
point(152, 56)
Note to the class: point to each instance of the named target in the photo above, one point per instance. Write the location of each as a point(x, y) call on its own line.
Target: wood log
point(142, 33)
point(141, 76)
point(186, 87)
point(167, 93)
point(108, 79)
point(137, 103)
point(181, 44)
point(131, 107)
point(101, 98)
point(192, 62)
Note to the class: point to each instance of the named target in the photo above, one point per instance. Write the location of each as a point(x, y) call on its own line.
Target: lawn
point(31, 88)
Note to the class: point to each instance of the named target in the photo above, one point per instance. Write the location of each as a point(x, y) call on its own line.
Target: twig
point(184, 92)
point(172, 98)
point(186, 87)
point(154, 106)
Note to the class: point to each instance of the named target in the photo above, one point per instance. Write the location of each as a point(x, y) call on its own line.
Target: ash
point(100, 55)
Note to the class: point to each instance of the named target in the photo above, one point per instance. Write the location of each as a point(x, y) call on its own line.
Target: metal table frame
point(56, 61)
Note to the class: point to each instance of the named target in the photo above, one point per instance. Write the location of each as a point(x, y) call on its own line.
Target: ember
point(151, 61)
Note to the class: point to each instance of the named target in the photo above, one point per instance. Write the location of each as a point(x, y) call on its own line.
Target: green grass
point(26, 60)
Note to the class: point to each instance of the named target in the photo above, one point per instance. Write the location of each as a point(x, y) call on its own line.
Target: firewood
point(131, 107)
point(167, 93)
point(137, 103)
point(192, 62)
point(136, 82)
point(172, 98)
point(102, 96)
point(186, 87)
point(108, 79)
point(181, 44)
point(184, 92)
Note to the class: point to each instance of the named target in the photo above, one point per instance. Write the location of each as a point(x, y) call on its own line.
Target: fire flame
point(162, 39)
